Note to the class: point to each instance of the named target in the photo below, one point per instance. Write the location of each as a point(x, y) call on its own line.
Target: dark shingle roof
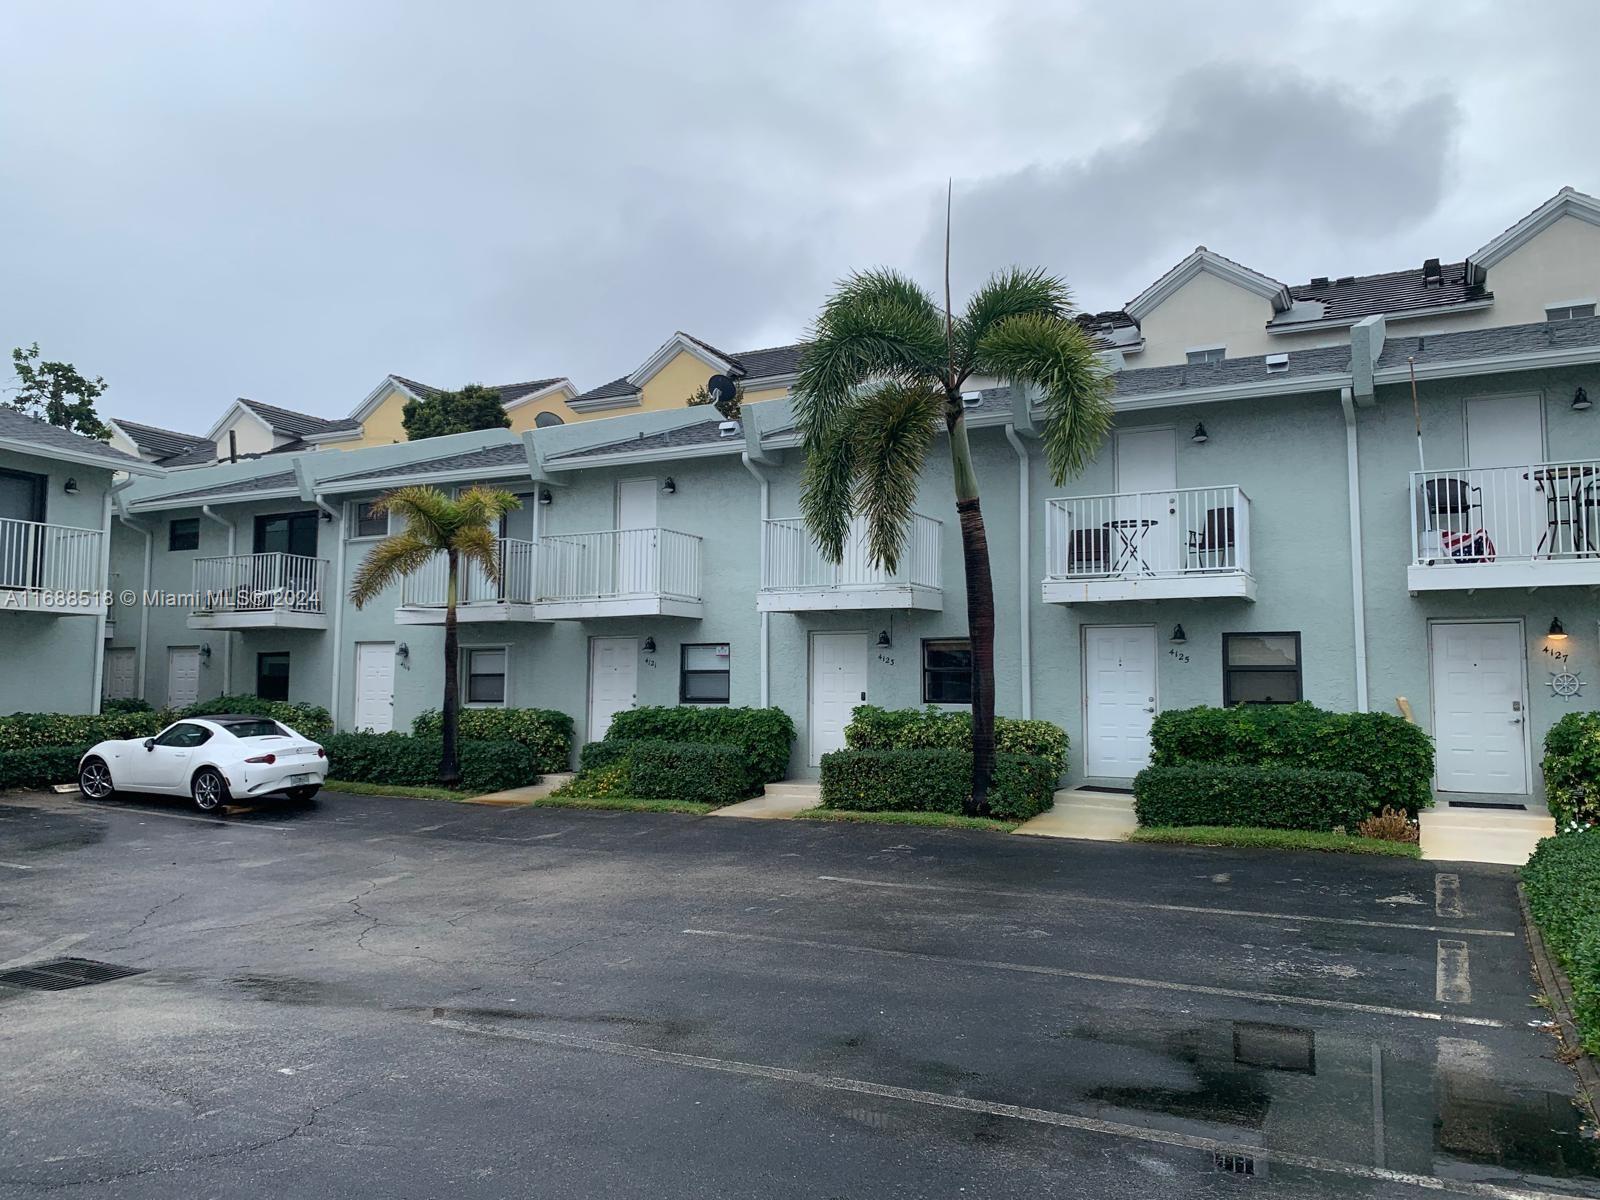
point(260, 483)
point(1355, 296)
point(507, 391)
point(1504, 341)
point(703, 433)
point(163, 443)
point(773, 360)
point(296, 424)
point(616, 389)
point(202, 455)
point(510, 455)
point(1229, 372)
point(20, 427)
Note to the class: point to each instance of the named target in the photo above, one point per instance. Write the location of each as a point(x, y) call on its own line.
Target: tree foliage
point(728, 407)
point(473, 407)
point(56, 392)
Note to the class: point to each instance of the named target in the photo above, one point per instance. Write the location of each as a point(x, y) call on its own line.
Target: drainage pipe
point(1025, 608)
point(227, 638)
point(337, 603)
point(766, 643)
point(144, 599)
point(1357, 585)
point(100, 617)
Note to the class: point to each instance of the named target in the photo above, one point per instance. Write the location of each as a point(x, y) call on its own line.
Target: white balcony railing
point(260, 583)
point(518, 561)
point(1182, 532)
point(794, 561)
point(41, 560)
point(618, 563)
point(1539, 513)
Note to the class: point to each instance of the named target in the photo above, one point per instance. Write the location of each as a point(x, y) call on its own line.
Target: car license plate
point(301, 779)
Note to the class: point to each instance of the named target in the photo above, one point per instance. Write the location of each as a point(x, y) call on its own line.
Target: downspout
point(1025, 608)
point(1357, 585)
point(766, 645)
point(337, 602)
point(144, 596)
point(103, 585)
point(227, 638)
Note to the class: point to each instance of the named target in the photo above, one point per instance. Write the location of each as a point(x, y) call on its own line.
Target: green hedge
point(1562, 882)
point(1267, 797)
point(596, 756)
point(693, 771)
point(126, 704)
point(1395, 756)
point(40, 766)
point(934, 780)
point(764, 734)
point(874, 728)
point(25, 731)
point(547, 730)
point(308, 720)
point(1571, 767)
point(396, 758)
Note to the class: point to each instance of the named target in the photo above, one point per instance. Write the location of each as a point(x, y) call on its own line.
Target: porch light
point(544, 496)
point(1581, 401)
point(668, 485)
point(1556, 634)
point(402, 652)
point(1178, 636)
point(649, 645)
point(71, 485)
point(205, 650)
point(1201, 437)
point(883, 640)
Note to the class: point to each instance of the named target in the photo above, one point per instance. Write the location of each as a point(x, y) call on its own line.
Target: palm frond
point(1058, 357)
point(425, 509)
point(389, 561)
point(828, 481)
point(478, 544)
point(1010, 293)
point(481, 505)
point(895, 425)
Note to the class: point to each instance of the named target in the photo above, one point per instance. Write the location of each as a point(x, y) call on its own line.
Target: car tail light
point(321, 753)
point(269, 759)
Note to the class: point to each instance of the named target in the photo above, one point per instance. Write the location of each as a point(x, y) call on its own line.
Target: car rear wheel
point(301, 794)
point(94, 779)
point(209, 789)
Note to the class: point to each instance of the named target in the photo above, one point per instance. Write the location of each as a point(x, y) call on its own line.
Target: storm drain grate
point(60, 974)
point(1233, 1164)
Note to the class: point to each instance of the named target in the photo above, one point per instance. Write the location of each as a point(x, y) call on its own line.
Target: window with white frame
point(1569, 312)
point(367, 523)
point(486, 675)
point(1205, 355)
point(705, 677)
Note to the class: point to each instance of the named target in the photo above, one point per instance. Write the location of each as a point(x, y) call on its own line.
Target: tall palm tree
point(884, 370)
point(464, 530)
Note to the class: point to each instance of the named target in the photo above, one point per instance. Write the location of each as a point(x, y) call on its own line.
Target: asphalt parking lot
point(384, 997)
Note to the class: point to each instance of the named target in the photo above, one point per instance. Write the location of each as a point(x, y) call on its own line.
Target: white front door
point(375, 686)
point(636, 539)
point(1505, 438)
point(1144, 538)
point(1119, 684)
point(183, 675)
point(120, 674)
point(1480, 707)
point(613, 681)
point(838, 684)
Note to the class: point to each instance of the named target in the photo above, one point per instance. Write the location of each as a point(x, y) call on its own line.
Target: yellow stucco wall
point(1209, 311)
point(383, 428)
point(1558, 266)
point(672, 386)
point(524, 416)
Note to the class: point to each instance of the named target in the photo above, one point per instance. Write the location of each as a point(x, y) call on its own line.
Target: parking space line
point(968, 1104)
point(1110, 902)
point(1163, 985)
point(172, 816)
point(1451, 975)
point(1447, 895)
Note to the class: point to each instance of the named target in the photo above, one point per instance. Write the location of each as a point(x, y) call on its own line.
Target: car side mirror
point(149, 743)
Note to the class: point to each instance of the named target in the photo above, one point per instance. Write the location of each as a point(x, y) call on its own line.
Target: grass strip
point(928, 820)
point(396, 789)
point(623, 804)
point(1251, 837)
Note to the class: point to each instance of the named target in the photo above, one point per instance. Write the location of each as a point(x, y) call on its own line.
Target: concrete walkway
point(1090, 815)
point(512, 797)
point(780, 802)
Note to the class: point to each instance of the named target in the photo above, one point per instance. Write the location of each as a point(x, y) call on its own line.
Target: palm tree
point(884, 369)
point(464, 530)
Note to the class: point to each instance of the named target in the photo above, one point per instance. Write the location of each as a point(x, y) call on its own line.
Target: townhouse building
point(1265, 523)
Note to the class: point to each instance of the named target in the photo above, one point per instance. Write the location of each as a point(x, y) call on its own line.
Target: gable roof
point(511, 395)
point(295, 424)
point(767, 362)
point(1568, 202)
point(152, 439)
point(1205, 262)
point(30, 435)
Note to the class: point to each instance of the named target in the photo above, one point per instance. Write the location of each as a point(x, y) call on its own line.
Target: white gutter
point(1530, 361)
point(577, 460)
point(227, 638)
point(1357, 584)
point(337, 602)
point(766, 643)
point(1024, 626)
point(144, 592)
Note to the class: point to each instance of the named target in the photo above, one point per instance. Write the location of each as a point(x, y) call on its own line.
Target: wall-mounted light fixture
point(884, 641)
point(668, 485)
point(1557, 633)
point(205, 650)
point(1581, 401)
point(1178, 636)
point(649, 645)
point(1200, 437)
point(71, 485)
point(544, 496)
point(326, 515)
point(402, 652)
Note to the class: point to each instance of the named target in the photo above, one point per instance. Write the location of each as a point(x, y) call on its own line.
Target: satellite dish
point(720, 388)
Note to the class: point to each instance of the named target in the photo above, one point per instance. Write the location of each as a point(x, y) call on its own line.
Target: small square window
point(1569, 312)
point(486, 676)
point(1261, 668)
point(946, 671)
point(706, 677)
point(272, 675)
point(1200, 358)
point(183, 533)
point(370, 524)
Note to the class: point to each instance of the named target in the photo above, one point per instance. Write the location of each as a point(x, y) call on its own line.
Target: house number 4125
point(1179, 655)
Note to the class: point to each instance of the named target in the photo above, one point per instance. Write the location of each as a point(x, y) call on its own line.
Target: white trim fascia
point(1568, 202)
point(223, 421)
point(985, 420)
point(658, 454)
point(133, 466)
point(160, 503)
point(1203, 261)
point(376, 397)
point(329, 487)
point(1408, 314)
point(1279, 386)
point(652, 366)
point(601, 403)
point(764, 383)
point(561, 385)
point(332, 435)
point(1532, 361)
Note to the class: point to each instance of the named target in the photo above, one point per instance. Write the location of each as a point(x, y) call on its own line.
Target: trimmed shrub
point(764, 734)
point(126, 704)
point(1562, 883)
point(40, 766)
point(1395, 756)
point(597, 756)
point(1571, 767)
point(547, 730)
point(25, 731)
point(1268, 797)
point(692, 771)
point(874, 728)
point(308, 720)
point(397, 758)
point(934, 780)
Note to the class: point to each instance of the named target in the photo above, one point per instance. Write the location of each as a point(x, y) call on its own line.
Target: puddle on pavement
point(1430, 1106)
point(37, 830)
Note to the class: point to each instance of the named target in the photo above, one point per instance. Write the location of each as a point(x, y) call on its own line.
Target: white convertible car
point(210, 759)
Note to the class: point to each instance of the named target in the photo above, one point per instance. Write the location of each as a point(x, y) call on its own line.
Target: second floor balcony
point(797, 576)
point(1531, 525)
point(51, 568)
point(260, 591)
point(1184, 543)
point(618, 573)
point(511, 598)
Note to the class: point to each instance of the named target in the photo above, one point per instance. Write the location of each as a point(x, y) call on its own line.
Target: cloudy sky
point(288, 200)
